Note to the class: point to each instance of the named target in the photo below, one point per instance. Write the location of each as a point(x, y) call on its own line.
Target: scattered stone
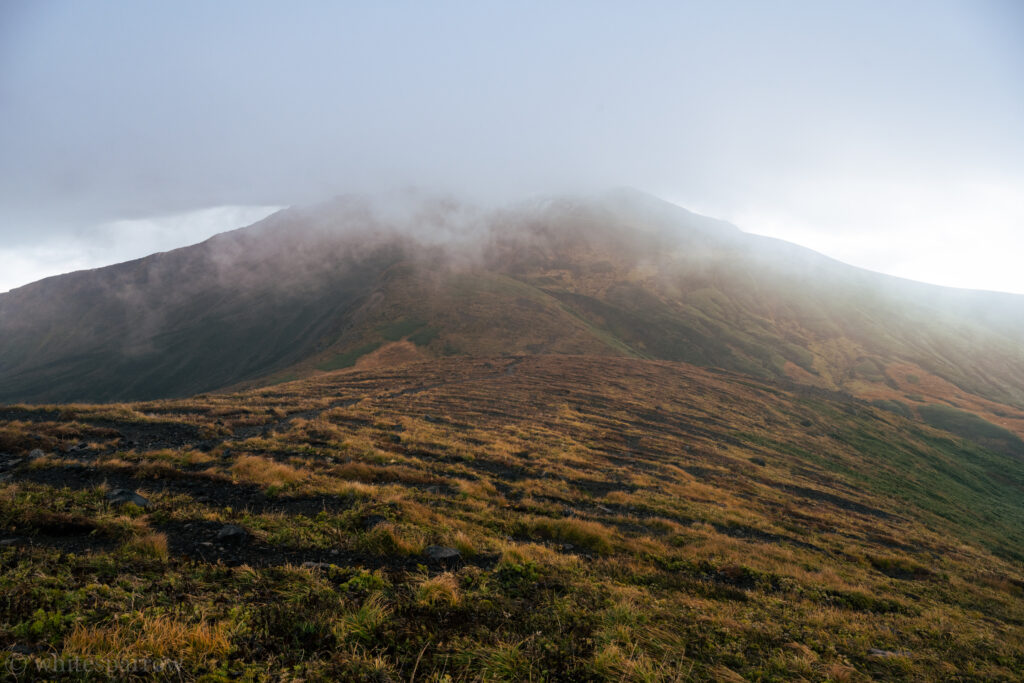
point(436, 490)
point(371, 521)
point(396, 438)
point(443, 555)
point(13, 462)
point(431, 418)
point(35, 453)
point(602, 508)
point(232, 533)
point(122, 496)
point(8, 542)
point(760, 462)
point(887, 653)
point(568, 546)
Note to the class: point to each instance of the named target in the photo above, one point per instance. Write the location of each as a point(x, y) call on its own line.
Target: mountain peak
point(618, 273)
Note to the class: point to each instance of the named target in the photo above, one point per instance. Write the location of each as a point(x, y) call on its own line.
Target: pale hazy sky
point(886, 134)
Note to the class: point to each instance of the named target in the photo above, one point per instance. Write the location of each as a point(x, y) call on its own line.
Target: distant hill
point(622, 274)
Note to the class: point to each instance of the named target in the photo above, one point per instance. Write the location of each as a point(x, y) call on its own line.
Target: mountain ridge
point(312, 289)
point(577, 440)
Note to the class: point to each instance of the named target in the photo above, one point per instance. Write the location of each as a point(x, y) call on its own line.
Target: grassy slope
point(586, 280)
point(617, 518)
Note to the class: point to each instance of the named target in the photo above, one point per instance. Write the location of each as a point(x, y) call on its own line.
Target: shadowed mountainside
point(623, 274)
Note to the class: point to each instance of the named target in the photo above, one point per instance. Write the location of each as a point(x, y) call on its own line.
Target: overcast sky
point(886, 134)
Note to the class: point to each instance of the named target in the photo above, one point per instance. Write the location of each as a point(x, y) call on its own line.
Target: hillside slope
point(622, 274)
point(513, 518)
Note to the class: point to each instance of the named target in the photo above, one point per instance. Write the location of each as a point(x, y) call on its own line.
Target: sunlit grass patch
point(151, 545)
point(156, 636)
point(584, 534)
point(392, 539)
point(440, 590)
point(266, 472)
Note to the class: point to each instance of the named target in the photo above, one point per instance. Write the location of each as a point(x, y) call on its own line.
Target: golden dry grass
point(139, 636)
point(266, 472)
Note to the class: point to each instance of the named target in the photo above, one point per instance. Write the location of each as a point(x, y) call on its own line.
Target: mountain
point(573, 439)
point(354, 282)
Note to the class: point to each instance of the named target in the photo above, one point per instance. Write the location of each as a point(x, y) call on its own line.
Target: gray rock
point(443, 554)
point(887, 653)
point(122, 496)
point(36, 453)
point(373, 520)
point(232, 533)
point(8, 542)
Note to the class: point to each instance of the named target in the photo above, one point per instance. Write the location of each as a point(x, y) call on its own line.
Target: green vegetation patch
point(400, 329)
point(349, 358)
point(973, 428)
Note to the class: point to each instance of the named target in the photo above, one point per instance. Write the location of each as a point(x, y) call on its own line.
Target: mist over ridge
point(618, 273)
point(574, 342)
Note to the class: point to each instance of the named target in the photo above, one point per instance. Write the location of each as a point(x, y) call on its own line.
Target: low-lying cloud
point(117, 241)
point(750, 111)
